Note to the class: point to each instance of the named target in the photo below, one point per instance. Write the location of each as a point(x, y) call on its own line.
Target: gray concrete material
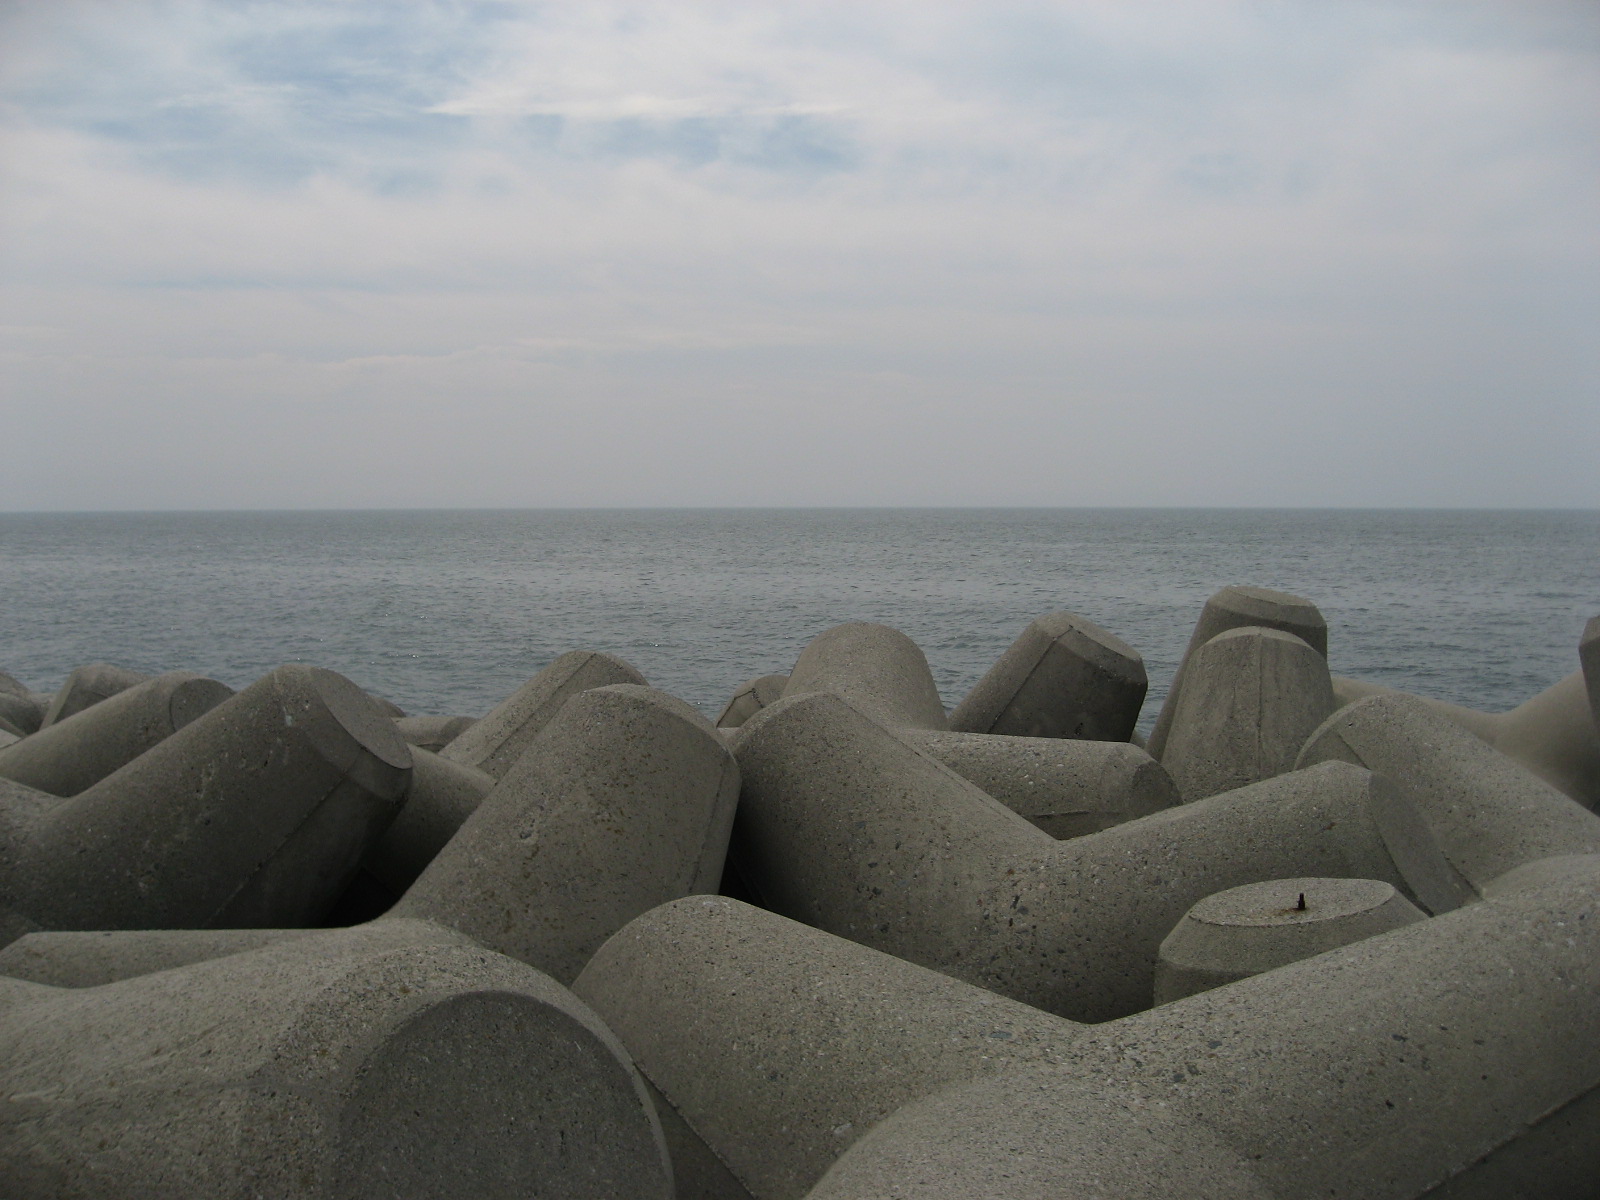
point(1066, 787)
point(1251, 698)
point(75, 959)
point(1488, 813)
point(623, 802)
point(847, 826)
point(20, 714)
point(255, 814)
point(750, 699)
point(88, 685)
point(1589, 657)
point(432, 733)
point(10, 685)
point(442, 795)
point(779, 1044)
point(496, 741)
point(352, 1064)
point(1379, 1069)
point(1064, 677)
point(878, 669)
point(75, 753)
point(1552, 734)
point(1247, 930)
point(392, 710)
point(8, 737)
point(1233, 608)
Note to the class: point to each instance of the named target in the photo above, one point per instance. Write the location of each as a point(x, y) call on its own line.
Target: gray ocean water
point(448, 611)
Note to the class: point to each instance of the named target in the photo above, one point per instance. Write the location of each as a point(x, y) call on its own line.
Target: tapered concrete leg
point(356, 1063)
point(255, 814)
point(494, 743)
point(76, 959)
point(845, 825)
point(20, 714)
point(1487, 812)
point(1552, 734)
point(1066, 787)
point(1251, 697)
point(878, 669)
point(1233, 608)
point(442, 795)
point(1065, 677)
point(779, 1045)
point(623, 802)
point(89, 685)
point(751, 699)
point(1247, 930)
point(77, 752)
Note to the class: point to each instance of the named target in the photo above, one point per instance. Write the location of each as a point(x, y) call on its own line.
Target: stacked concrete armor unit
point(1312, 938)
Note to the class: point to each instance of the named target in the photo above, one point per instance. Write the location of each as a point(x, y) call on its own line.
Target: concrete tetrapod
point(370, 1062)
point(494, 743)
point(254, 814)
point(878, 669)
point(846, 825)
point(750, 699)
point(1488, 813)
point(1446, 1050)
point(1064, 677)
point(623, 802)
point(1232, 608)
point(77, 752)
point(88, 685)
point(1064, 786)
point(1552, 734)
point(1251, 697)
point(1247, 930)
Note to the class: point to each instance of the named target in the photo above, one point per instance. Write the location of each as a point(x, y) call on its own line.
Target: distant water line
point(446, 611)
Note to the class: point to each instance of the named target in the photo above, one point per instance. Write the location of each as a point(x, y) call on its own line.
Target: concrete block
point(20, 714)
point(1552, 734)
point(353, 1063)
point(878, 669)
point(77, 752)
point(1488, 813)
point(816, 1067)
point(1247, 930)
point(8, 736)
point(1233, 608)
point(1064, 677)
point(442, 795)
point(10, 685)
point(1251, 697)
point(623, 802)
point(432, 733)
point(494, 743)
point(750, 699)
point(846, 825)
point(88, 685)
point(255, 814)
point(1066, 787)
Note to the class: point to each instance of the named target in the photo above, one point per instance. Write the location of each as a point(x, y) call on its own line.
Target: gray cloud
point(498, 254)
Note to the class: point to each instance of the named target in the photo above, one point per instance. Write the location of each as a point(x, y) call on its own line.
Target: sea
point(448, 611)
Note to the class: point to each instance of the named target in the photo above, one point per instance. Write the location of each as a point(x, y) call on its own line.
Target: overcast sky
point(322, 255)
